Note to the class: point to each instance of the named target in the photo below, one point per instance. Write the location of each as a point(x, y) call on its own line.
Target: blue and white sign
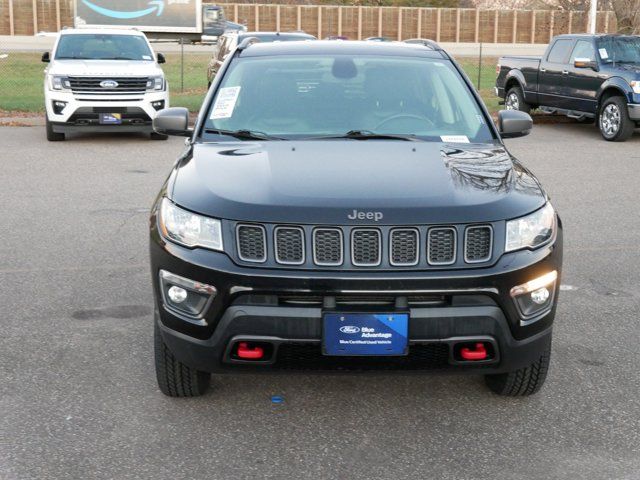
point(366, 333)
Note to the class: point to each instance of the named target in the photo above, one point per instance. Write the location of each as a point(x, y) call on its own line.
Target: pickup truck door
point(583, 82)
point(552, 85)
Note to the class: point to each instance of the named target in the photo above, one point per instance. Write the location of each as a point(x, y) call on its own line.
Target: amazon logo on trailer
point(156, 6)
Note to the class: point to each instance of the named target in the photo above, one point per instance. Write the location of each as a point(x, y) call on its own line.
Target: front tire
point(522, 382)
point(514, 100)
point(614, 122)
point(176, 379)
point(51, 135)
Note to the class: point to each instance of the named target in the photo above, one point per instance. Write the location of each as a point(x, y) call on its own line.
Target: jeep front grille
point(252, 243)
point(366, 247)
point(441, 246)
point(478, 244)
point(355, 247)
point(404, 247)
point(289, 245)
point(327, 247)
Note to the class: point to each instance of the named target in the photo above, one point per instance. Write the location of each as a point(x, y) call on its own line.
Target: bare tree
point(628, 15)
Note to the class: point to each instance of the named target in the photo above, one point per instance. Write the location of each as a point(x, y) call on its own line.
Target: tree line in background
point(627, 11)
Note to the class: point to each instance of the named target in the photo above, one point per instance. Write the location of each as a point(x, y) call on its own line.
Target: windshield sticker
point(455, 138)
point(146, 57)
point(603, 53)
point(225, 103)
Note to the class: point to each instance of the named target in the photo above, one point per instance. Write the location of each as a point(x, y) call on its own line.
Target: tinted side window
point(560, 51)
point(583, 49)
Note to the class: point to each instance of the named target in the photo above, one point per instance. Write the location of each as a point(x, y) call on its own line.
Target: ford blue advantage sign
point(146, 15)
point(365, 333)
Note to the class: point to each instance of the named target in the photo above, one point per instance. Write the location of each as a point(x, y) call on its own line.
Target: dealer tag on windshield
point(454, 138)
point(225, 102)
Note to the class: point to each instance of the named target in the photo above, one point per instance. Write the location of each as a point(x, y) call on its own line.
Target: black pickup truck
point(587, 77)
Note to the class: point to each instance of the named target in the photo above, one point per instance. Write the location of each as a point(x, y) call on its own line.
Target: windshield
point(619, 49)
point(103, 47)
point(313, 96)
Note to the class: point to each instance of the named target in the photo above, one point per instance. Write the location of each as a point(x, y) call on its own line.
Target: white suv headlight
point(58, 82)
point(189, 229)
point(155, 84)
point(531, 231)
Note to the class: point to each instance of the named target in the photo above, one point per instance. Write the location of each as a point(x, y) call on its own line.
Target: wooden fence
point(401, 23)
point(26, 17)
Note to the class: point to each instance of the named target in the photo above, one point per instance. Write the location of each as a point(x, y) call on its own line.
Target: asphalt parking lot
point(78, 394)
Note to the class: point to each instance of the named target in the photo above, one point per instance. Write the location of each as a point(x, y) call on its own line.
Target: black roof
point(333, 47)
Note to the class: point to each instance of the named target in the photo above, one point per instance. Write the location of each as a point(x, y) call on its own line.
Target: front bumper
point(81, 112)
point(278, 306)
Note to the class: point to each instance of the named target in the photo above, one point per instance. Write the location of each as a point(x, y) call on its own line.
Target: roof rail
point(247, 42)
point(433, 44)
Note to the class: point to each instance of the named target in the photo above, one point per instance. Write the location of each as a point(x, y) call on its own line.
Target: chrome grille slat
point(478, 244)
point(404, 249)
point(252, 243)
point(289, 245)
point(92, 85)
point(366, 247)
point(328, 247)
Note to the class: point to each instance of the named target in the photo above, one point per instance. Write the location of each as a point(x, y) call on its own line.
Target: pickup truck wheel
point(176, 379)
point(613, 120)
point(522, 382)
point(51, 135)
point(158, 136)
point(515, 100)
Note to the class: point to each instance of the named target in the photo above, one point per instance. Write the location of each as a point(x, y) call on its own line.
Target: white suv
point(103, 80)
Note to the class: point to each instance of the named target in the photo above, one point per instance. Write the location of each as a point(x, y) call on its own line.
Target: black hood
point(322, 182)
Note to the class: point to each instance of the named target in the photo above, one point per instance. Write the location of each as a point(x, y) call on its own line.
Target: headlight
point(189, 229)
point(635, 86)
point(531, 231)
point(57, 82)
point(155, 83)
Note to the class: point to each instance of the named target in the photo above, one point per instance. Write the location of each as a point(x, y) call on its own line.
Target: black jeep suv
point(350, 206)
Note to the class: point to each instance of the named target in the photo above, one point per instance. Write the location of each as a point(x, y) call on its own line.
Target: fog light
point(185, 296)
point(535, 296)
point(540, 296)
point(159, 105)
point(177, 294)
point(58, 106)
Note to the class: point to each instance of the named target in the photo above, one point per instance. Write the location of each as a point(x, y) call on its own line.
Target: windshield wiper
point(367, 135)
point(244, 134)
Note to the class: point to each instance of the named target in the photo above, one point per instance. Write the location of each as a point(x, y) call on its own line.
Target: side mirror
point(46, 57)
point(173, 121)
point(514, 123)
point(161, 58)
point(585, 63)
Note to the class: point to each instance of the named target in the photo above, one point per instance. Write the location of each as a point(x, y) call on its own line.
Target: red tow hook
point(479, 353)
point(246, 353)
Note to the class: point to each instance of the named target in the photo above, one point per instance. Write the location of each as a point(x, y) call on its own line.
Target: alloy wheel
point(512, 102)
point(610, 120)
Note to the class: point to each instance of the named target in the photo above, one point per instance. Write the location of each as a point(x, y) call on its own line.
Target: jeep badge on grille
point(358, 215)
